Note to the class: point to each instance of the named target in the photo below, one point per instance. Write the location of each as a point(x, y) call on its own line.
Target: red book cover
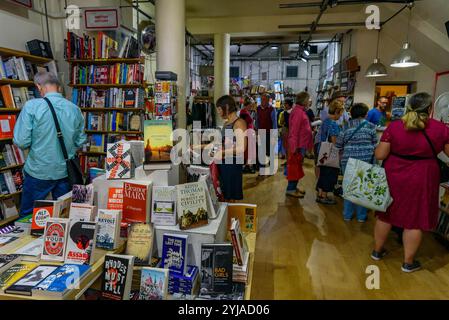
point(115, 199)
point(7, 123)
point(42, 211)
point(136, 202)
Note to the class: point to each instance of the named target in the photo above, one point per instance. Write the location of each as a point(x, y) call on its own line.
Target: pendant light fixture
point(376, 69)
point(406, 58)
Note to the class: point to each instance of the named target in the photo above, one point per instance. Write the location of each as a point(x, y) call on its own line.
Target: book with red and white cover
point(42, 211)
point(55, 239)
point(238, 242)
point(115, 199)
point(136, 201)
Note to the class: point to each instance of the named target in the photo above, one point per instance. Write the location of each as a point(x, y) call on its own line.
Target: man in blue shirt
point(378, 116)
point(45, 169)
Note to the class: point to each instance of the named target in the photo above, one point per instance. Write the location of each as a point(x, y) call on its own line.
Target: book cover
point(192, 205)
point(140, 243)
point(7, 260)
point(117, 277)
point(42, 211)
point(174, 252)
point(238, 242)
point(7, 123)
point(60, 281)
point(118, 161)
point(6, 242)
point(158, 140)
point(245, 213)
point(81, 242)
point(24, 285)
point(115, 199)
point(216, 268)
point(14, 273)
point(83, 194)
point(82, 212)
point(108, 222)
point(212, 199)
point(164, 206)
point(9, 209)
point(31, 251)
point(55, 239)
point(97, 143)
point(136, 201)
point(153, 284)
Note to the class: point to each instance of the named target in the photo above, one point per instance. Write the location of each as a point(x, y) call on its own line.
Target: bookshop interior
point(224, 150)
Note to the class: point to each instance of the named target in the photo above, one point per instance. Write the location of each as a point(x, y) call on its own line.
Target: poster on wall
point(101, 19)
point(26, 3)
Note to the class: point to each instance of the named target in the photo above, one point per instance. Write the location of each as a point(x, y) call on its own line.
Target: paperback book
point(32, 251)
point(136, 201)
point(118, 161)
point(117, 277)
point(108, 222)
point(14, 273)
point(115, 199)
point(8, 260)
point(245, 213)
point(83, 194)
point(153, 284)
point(164, 206)
point(192, 205)
point(55, 239)
point(140, 243)
point(42, 211)
point(25, 285)
point(81, 242)
point(158, 141)
point(174, 252)
point(82, 212)
point(216, 268)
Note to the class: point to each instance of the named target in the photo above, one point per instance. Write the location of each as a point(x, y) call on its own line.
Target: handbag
point(444, 168)
point(294, 167)
point(74, 174)
point(366, 185)
point(329, 155)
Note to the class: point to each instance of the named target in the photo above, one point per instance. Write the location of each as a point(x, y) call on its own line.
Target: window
point(234, 72)
point(291, 72)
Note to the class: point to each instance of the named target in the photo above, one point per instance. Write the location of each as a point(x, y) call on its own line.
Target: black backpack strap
point(58, 129)
point(430, 144)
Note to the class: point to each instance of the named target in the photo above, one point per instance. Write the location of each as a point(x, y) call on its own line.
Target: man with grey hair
point(45, 169)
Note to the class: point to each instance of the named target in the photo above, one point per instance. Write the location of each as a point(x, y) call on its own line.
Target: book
point(8, 208)
point(216, 268)
point(25, 222)
point(212, 199)
point(108, 222)
point(97, 143)
point(55, 239)
point(83, 194)
point(31, 251)
point(245, 213)
point(158, 141)
point(7, 95)
point(118, 161)
point(61, 281)
point(25, 285)
point(140, 243)
point(117, 276)
point(136, 201)
point(82, 212)
point(81, 242)
point(238, 242)
point(14, 273)
point(7, 123)
point(42, 211)
point(8, 260)
point(174, 252)
point(191, 205)
point(7, 242)
point(153, 284)
point(163, 209)
point(115, 199)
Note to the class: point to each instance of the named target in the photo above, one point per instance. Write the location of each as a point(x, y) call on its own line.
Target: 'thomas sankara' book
point(14, 273)
point(60, 281)
point(42, 211)
point(81, 242)
point(136, 201)
point(108, 222)
point(192, 205)
point(164, 206)
point(83, 194)
point(153, 284)
point(174, 252)
point(118, 160)
point(82, 212)
point(7, 260)
point(140, 243)
point(245, 213)
point(24, 285)
point(55, 239)
point(117, 276)
point(216, 268)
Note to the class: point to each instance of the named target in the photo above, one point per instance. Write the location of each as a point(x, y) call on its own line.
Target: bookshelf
point(112, 109)
point(107, 86)
point(5, 196)
point(16, 83)
point(9, 220)
point(113, 132)
point(6, 53)
point(10, 110)
point(92, 153)
point(5, 139)
point(106, 61)
point(11, 167)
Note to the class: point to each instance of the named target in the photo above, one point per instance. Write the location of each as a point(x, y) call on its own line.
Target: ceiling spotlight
point(306, 52)
point(274, 47)
point(303, 59)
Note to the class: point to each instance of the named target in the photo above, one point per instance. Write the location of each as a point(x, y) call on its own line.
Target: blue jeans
point(292, 185)
point(349, 208)
point(36, 189)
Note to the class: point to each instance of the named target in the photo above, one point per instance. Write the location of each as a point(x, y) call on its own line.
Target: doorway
point(391, 91)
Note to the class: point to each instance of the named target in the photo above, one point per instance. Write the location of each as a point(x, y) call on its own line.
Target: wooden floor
point(306, 251)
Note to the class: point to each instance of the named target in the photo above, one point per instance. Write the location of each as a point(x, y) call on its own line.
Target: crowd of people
point(407, 149)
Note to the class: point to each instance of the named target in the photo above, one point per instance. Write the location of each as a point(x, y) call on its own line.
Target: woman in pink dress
point(409, 148)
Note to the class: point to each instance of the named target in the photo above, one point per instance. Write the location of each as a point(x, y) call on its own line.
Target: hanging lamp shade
point(406, 58)
point(376, 69)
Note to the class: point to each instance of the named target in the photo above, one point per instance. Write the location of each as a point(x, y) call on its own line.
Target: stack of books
point(185, 284)
point(240, 273)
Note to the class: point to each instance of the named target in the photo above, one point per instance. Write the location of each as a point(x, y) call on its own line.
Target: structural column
point(222, 59)
point(170, 47)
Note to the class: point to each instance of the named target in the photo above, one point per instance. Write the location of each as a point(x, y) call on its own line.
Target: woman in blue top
point(330, 130)
point(358, 141)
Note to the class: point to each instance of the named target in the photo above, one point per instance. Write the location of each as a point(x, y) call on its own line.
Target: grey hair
point(420, 102)
point(43, 78)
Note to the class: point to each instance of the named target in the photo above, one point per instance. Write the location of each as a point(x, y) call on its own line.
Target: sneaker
point(411, 267)
point(294, 194)
point(326, 201)
point(378, 255)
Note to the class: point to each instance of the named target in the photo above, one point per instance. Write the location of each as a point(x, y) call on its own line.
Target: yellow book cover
point(158, 140)
point(245, 213)
point(140, 243)
point(15, 273)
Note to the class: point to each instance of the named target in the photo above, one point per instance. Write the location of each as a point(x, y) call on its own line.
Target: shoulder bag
point(74, 174)
point(444, 169)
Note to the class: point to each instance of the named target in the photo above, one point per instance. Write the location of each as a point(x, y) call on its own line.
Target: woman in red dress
point(409, 148)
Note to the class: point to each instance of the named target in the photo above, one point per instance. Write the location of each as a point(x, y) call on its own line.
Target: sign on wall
point(26, 3)
point(101, 19)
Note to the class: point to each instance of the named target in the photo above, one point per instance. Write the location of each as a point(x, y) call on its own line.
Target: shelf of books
point(16, 83)
point(8, 53)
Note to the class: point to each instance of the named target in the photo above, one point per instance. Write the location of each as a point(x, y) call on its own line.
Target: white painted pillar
point(222, 58)
point(170, 47)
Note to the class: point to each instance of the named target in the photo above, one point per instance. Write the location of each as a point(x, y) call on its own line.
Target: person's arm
point(80, 135)
point(446, 149)
point(24, 128)
point(382, 151)
point(340, 139)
